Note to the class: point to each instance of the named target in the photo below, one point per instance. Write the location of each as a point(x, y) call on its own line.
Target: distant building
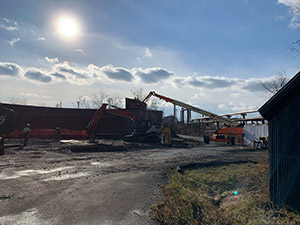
point(283, 113)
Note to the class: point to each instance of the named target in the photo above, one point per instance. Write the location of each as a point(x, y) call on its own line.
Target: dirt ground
point(47, 183)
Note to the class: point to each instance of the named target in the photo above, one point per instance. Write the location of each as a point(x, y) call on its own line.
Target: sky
point(212, 54)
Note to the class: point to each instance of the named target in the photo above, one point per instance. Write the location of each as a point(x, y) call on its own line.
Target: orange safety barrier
point(49, 134)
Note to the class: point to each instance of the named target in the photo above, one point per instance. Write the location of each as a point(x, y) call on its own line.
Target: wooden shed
point(283, 113)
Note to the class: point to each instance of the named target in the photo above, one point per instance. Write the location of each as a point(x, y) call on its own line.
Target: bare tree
point(138, 93)
point(276, 83)
point(18, 101)
point(295, 10)
point(43, 104)
point(98, 99)
point(154, 104)
point(115, 100)
point(83, 102)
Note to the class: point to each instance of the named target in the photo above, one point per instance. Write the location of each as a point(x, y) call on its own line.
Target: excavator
point(8, 123)
point(143, 130)
point(225, 134)
point(114, 110)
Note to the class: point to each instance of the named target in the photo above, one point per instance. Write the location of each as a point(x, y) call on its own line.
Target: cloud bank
point(64, 72)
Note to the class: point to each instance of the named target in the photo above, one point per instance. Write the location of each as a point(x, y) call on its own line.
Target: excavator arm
point(192, 108)
point(92, 125)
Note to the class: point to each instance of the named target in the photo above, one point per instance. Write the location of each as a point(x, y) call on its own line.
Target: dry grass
point(207, 196)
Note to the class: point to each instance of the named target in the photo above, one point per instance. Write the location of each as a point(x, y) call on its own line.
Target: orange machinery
point(219, 135)
point(92, 126)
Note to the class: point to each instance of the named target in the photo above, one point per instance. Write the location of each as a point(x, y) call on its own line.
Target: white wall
point(254, 132)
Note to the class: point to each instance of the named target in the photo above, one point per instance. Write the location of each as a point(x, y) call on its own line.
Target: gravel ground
point(47, 183)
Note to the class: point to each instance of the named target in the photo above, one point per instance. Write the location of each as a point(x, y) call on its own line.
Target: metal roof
point(281, 99)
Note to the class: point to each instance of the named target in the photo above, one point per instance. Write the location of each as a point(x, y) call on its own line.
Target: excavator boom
point(192, 108)
point(91, 127)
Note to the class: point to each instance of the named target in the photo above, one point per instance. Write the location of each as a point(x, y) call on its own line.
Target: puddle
point(139, 212)
point(67, 176)
point(22, 173)
point(72, 141)
point(100, 164)
point(28, 217)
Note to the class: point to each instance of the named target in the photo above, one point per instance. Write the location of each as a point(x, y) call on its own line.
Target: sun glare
point(67, 27)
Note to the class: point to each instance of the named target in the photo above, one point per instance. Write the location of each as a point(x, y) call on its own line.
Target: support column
point(175, 112)
point(182, 115)
point(244, 117)
point(189, 115)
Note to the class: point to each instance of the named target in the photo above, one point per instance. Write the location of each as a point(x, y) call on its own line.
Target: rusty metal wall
point(284, 139)
point(75, 119)
point(78, 119)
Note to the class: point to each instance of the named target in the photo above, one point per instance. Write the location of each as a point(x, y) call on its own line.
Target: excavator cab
point(144, 131)
point(142, 126)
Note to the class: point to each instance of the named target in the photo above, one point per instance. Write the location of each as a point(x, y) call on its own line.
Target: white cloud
point(80, 51)
point(9, 24)
point(212, 93)
point(222, 106)
point(201, 90)
point(41, 39)
point(152, 75)
point(235, 95)
point(63, 72)
point(148, 53)
point(117, 73)
point(294, 6)
point(65, 68)
point(51, 60)
point(237, 106)
point(30, 94)
point(215, 82)
point(9, 69)
point(13, 41)
point(279, 18)
point(200, 96)
point(37, 75)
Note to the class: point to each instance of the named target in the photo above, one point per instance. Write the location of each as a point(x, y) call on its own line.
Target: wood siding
point(284, 130)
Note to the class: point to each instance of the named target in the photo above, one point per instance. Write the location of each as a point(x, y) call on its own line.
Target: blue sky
point(212, 54)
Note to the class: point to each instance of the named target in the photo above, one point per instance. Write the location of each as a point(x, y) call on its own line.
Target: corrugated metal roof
point(282, 98)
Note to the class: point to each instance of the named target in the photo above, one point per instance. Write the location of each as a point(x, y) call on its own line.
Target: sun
point(67, 27)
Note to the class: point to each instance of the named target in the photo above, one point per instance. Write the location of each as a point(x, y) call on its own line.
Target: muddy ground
point(47, 183)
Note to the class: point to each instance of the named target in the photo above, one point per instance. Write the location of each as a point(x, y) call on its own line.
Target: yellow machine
point(165, 133)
